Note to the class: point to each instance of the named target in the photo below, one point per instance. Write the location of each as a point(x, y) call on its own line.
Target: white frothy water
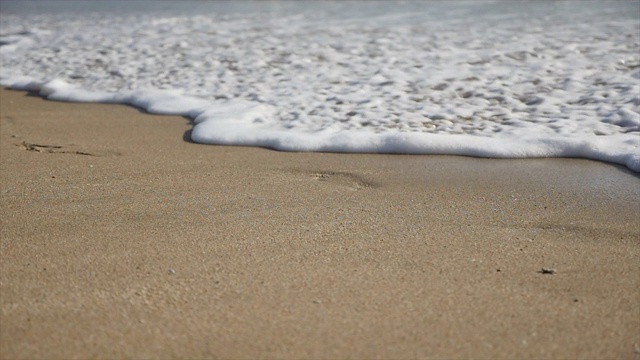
point(491, 79)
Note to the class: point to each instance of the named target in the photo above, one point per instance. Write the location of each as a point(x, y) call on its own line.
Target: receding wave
point(483, 79)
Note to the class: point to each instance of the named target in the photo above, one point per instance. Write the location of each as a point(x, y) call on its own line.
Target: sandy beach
point(122, 239)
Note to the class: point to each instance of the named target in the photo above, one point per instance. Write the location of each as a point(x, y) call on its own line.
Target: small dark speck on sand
point(547, 271)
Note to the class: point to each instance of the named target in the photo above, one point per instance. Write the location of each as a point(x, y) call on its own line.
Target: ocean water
point(503, 79)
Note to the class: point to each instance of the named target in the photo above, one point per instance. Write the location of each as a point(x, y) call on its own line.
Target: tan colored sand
point(155, 247)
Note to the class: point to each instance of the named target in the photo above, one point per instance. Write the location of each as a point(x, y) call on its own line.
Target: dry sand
point(122, 240)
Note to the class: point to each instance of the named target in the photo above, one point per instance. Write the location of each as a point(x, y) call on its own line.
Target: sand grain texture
point(120, 239)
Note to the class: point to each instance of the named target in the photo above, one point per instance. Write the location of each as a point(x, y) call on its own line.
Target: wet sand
point(120, 239)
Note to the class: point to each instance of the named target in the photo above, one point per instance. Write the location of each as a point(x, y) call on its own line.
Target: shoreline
point(121, 239)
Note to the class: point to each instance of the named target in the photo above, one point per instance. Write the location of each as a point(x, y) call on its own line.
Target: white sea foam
point(481, 79)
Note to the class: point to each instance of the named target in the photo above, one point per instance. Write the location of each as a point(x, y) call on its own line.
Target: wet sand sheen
point(120, 239)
